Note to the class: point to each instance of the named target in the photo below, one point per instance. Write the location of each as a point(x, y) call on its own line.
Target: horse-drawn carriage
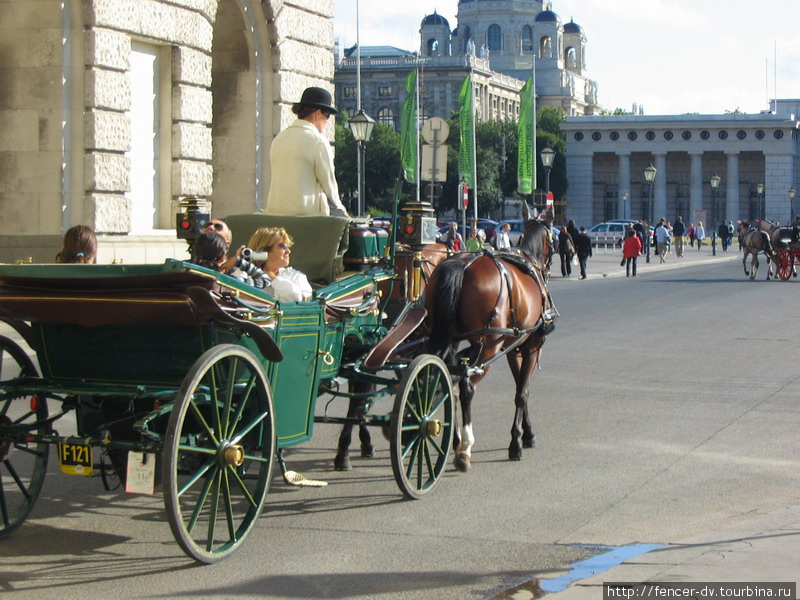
point(183, 366)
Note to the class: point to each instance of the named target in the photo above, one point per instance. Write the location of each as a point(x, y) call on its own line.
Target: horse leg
point(754, 266)
point(522, 436)
point(463, 459)
point(341, 461)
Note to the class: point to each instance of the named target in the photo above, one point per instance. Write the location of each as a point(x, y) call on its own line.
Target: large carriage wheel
point(785, 260)
point(22, 464)
point(422, 426)
point(218, 453)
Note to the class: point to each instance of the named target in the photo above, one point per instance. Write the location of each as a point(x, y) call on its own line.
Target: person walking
point(662, 238)
point(699, 234)
point(583, 246)
point(503, 241)
point(631, 249)
point(474, 243)
point(722, 232)
point(730, 231)
point(566, 250)
point(678, 231)
point(690, 232)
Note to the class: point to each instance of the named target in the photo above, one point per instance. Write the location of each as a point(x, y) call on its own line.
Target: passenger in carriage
point(286, 284)
point(80, 246)
point(210, 250)
point(303, 177)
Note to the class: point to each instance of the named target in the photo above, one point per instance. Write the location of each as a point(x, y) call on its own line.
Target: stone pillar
point(660, 191)
point(695, 185)
point(779, 176)
point(624, 186)
point(730, 208)
point(580, 201)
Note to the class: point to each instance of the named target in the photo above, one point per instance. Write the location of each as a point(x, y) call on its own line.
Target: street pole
point(714, 181)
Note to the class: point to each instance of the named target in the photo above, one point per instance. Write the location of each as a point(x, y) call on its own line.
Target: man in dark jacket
point(583, 247)
point(678, 231)
point(722, 231)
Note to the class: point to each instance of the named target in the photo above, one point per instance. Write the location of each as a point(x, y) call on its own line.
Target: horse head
point(535, 241)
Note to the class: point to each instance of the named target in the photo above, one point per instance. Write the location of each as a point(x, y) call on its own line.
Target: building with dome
point(498, 41)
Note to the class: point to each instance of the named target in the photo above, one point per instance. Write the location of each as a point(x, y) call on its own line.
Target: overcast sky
point(671, 57)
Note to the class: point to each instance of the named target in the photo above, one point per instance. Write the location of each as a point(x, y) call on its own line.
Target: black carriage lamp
point(760, 192)
point(714, 181)
point(548, 156)
point(361, 125)
point(792, 193)
point(649, 177)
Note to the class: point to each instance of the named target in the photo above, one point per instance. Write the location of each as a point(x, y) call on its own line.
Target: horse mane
point(535, 242)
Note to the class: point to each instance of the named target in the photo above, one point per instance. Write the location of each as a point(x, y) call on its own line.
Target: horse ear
point(526, 212)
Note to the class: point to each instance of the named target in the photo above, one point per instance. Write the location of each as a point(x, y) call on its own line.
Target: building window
point(632, 135)
point(704, 135)
point(778, 134)
point(384, 91)
point(527, 39)
point(433, 47)
point(350, 92)
point(578, 136)
point(571, 58)
point(546, 47)
point(650, 135)
point(668, 135)
point(723, 135)
point(741, 134)
point(614, 135)
point(597, 136)
point(467, 38)
point(687, 135)
point(386, 117)
point(495, 38)
point(760, 134)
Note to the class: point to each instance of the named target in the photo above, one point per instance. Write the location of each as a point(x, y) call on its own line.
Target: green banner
point(467, 133)
point(408, 130)
point(524, 134)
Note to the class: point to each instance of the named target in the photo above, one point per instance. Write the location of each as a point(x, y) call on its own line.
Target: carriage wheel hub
point(233, 455)
point(434, 427)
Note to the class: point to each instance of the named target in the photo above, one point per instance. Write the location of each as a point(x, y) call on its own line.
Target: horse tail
point(447, 294)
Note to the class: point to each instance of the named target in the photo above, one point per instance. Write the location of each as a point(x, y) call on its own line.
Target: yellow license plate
point(75, 459)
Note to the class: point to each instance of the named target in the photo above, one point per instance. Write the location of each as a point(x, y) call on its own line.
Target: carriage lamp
point(714, 181)
point(191, 215)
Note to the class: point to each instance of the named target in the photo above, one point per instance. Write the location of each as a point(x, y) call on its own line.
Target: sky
point(668, 56)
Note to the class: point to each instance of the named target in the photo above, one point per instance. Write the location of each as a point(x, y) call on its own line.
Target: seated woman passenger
point(287, 284)
point(80, 246)
point(210, 250)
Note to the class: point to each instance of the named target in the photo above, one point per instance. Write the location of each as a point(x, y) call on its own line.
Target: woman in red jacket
point(631, 249)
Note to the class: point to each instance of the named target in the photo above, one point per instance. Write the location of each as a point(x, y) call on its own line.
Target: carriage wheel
point(22, 464)
point(784, 264)
point(422, 426)
point(218, 453)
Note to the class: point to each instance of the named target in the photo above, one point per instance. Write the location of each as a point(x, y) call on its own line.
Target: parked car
point(610, 232)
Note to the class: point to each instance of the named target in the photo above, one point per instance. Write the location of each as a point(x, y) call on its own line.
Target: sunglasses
point(215, 226)
point(326, 113)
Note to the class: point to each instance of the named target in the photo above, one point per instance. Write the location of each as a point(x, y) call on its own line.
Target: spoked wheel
point(785, 261)
point(422, 426)
point(22, 464)
point(218, 453)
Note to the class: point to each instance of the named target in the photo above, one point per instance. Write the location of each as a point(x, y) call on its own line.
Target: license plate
point(75, 459)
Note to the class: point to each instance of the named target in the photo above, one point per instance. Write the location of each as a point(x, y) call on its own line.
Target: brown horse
point(428, 258)
point(500, 305)
point(752, 241)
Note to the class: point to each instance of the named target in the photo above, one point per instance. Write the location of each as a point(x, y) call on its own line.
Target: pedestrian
point(730, 232)
point(690, 232)
point(699, 234)
point(452, 239)
point(503, 241)
point(678, 231)
point(583, 246)
point(301, 161)
point(566, 250)
point(631, 249)
point(662, 237)
point(722, 232)
point(474, 243)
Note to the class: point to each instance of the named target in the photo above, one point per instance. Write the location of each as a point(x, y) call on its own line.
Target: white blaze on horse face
point(467, 440)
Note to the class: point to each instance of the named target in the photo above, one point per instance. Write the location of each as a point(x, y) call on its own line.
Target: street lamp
point(792, 193)
point(625, 210)
point(760, 213)
point(361, 125)
point(649, 177)
point(714, 181)
point(548, 156)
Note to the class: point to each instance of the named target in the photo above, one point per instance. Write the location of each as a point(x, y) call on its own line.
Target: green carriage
point(190, 380)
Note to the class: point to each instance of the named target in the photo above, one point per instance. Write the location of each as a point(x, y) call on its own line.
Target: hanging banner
point(466, 165)
point(408, 130)
point(525, 133)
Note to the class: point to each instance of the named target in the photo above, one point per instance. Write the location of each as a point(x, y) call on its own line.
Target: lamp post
point(548, 156)
point(649, 177)
point(625, 210)
point(714, 181)
point(761, 209)
point(361, 125)
point(792, 193)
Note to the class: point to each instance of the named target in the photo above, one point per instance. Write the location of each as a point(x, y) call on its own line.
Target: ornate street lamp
point(714, 181)
point(548, 156)
point(792, 193)
point(649, 177)
point(760, 213)
point(361, 125)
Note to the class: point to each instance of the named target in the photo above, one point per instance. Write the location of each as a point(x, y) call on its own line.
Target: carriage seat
point(319, 241)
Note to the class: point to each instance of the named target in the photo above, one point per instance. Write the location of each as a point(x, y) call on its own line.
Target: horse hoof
point(342, 463)
point(367, 451)
point(515, 454)
point(462, 462)
point(529, 442)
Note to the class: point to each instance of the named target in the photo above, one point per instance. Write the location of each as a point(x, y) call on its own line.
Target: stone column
point(779, 176)
point(624, 186)
point(580, 203)
point(660, 190)
point(695, 186)
point(730, 208)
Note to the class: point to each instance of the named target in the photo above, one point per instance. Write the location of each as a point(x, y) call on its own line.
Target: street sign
point(435, 191)
point(434, 163)
point(549, 199)
point(435, 130)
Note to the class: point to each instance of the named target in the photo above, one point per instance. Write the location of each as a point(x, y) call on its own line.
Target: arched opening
point(433, 47)
point(526, 38)
point(571, 58)
point(545, 47)
point(495, 38)
point(467, 39)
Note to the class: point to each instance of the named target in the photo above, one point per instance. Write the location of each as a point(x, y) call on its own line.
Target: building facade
point(607, 156)
point(497, 41)
point(113, 109)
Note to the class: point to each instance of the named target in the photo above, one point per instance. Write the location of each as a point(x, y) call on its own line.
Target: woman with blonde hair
point(287, 284)
point(80, 246)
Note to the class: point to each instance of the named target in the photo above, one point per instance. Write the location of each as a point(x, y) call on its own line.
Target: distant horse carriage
point(785, 247)
point(754, 241)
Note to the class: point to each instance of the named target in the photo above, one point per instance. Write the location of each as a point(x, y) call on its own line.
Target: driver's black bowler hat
point(317, 97)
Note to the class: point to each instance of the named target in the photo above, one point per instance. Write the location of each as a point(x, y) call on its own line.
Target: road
point(666, 406)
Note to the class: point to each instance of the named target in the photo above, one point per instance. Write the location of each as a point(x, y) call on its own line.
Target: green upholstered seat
point(319, 242)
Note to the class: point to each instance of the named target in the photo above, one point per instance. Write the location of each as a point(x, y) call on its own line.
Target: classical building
point(497, 41)
point(607, 155)
point(112, 109)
